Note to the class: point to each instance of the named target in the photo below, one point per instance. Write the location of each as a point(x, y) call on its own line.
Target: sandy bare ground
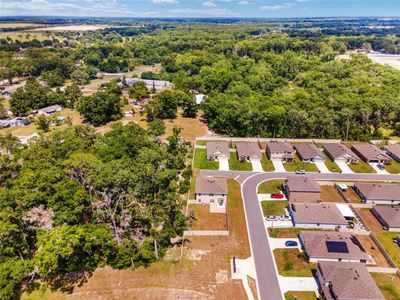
point(391, 60)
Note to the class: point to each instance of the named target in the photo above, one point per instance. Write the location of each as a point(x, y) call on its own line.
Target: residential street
point(267, 276)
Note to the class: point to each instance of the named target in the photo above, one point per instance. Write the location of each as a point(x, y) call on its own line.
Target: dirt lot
point(330, 194)
point(204, 220)
point(372, 249)
point(204, 272)
point(19, 25)
point(370, 220)
point(352, 196)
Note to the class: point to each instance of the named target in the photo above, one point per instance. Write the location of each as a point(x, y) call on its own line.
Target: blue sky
point(201, 8)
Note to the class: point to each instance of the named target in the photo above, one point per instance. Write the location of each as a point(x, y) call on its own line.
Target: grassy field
point(393, 168)
point(201, 162)
point(332, 166)
point(299, 165)
point(287, 232)
point(389, 284)
point(204, 220)
point(386, 240)
point(270, 187)
point(291, 262)
point(274, 208)
point(300, 296)
point(24, 36)
point(267, 164)
point(361, 167)
point(235, 164)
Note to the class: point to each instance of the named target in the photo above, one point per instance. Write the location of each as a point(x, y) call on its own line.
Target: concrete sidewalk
point(244, 268)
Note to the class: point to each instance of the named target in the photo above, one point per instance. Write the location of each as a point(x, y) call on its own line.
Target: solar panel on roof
point(337, 247)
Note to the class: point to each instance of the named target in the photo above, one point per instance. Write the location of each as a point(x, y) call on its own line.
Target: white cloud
point(243, 3)
point(165, 1)
point(277, 6)
point(209, 4)
point(213, 12)
point(302, 1)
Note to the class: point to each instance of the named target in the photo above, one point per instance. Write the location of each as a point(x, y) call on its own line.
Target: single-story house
point(333, 246)
point(13, 122)
point(317, 215)
point(371, 154)
point(302, 189)
point(248, 151)
point(388, 216)
point(378, 193)
point(280, 151)
point(50, 110)
point(346, 281)
point(309, 153)
point(393, 151)
point(340, 153)
point(213, 191)
point(217, 150)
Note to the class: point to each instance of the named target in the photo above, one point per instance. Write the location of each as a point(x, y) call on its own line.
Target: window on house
point(221, 202)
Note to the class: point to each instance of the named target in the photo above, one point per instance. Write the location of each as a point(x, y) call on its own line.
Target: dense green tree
point(138, 90)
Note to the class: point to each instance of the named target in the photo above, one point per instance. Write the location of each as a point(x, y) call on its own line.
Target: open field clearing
point(274, 208)
point(71, 28)
point(24, 36)
point(204, 220)
point(204, 272)
point(391, 60)
point(19, 25)
point(330, 194)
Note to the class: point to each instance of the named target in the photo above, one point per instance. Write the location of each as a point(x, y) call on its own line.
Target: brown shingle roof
point(337, 150)
point(211, 185)
point(217, 148)
point(51, 108)
point(248, 149)
point(317, 213)
point(390, 214)
point(302, 184)
point(307, 151)
point(350, 281)
point(377, 191)
point(279, 147)
point(321, 244)
point(370, 152)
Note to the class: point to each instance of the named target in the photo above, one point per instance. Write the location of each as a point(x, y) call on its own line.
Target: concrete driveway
point(278, 165)
point(298, 284)
point(223, 164)
point(344, 167)
point(280, 243)
point(378, 171)
point(322, 167)
point(257, 167)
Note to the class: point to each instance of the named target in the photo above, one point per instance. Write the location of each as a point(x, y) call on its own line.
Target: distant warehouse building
point(317, 215)
point(302, 189)
point(378, 193)
point(371, 154)
point(388, 216)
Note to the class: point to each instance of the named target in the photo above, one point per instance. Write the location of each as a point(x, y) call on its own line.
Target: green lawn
point(270, 187)
point(361, 167)
point(267, 164)
point(393, 168)
point(386, 240)
point(274, 208)
point(389, 284)
point(298, 165)
point(201, 143)
point(235, 164)
point(292, 263)
point(201, 162)
point(332, 166)
point(287, 232)
point(300, 296)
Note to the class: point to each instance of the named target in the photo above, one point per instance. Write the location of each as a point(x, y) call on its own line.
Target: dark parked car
point(291, 244)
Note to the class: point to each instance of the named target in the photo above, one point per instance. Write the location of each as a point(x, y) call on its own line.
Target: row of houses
point(246, 151)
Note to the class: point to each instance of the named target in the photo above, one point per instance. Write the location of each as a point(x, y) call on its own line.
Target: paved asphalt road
point(267, 280)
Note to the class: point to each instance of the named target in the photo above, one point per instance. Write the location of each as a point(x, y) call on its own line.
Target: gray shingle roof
point(299, 183)
point(377, 191)
point(211, 185)
point(317, 213)
point(308, 151)
point(217, 148)
point(248, 149)
point(390, 214)
point(280, 147)
point(370, 152)
point(337, 150)
point(350, 281)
